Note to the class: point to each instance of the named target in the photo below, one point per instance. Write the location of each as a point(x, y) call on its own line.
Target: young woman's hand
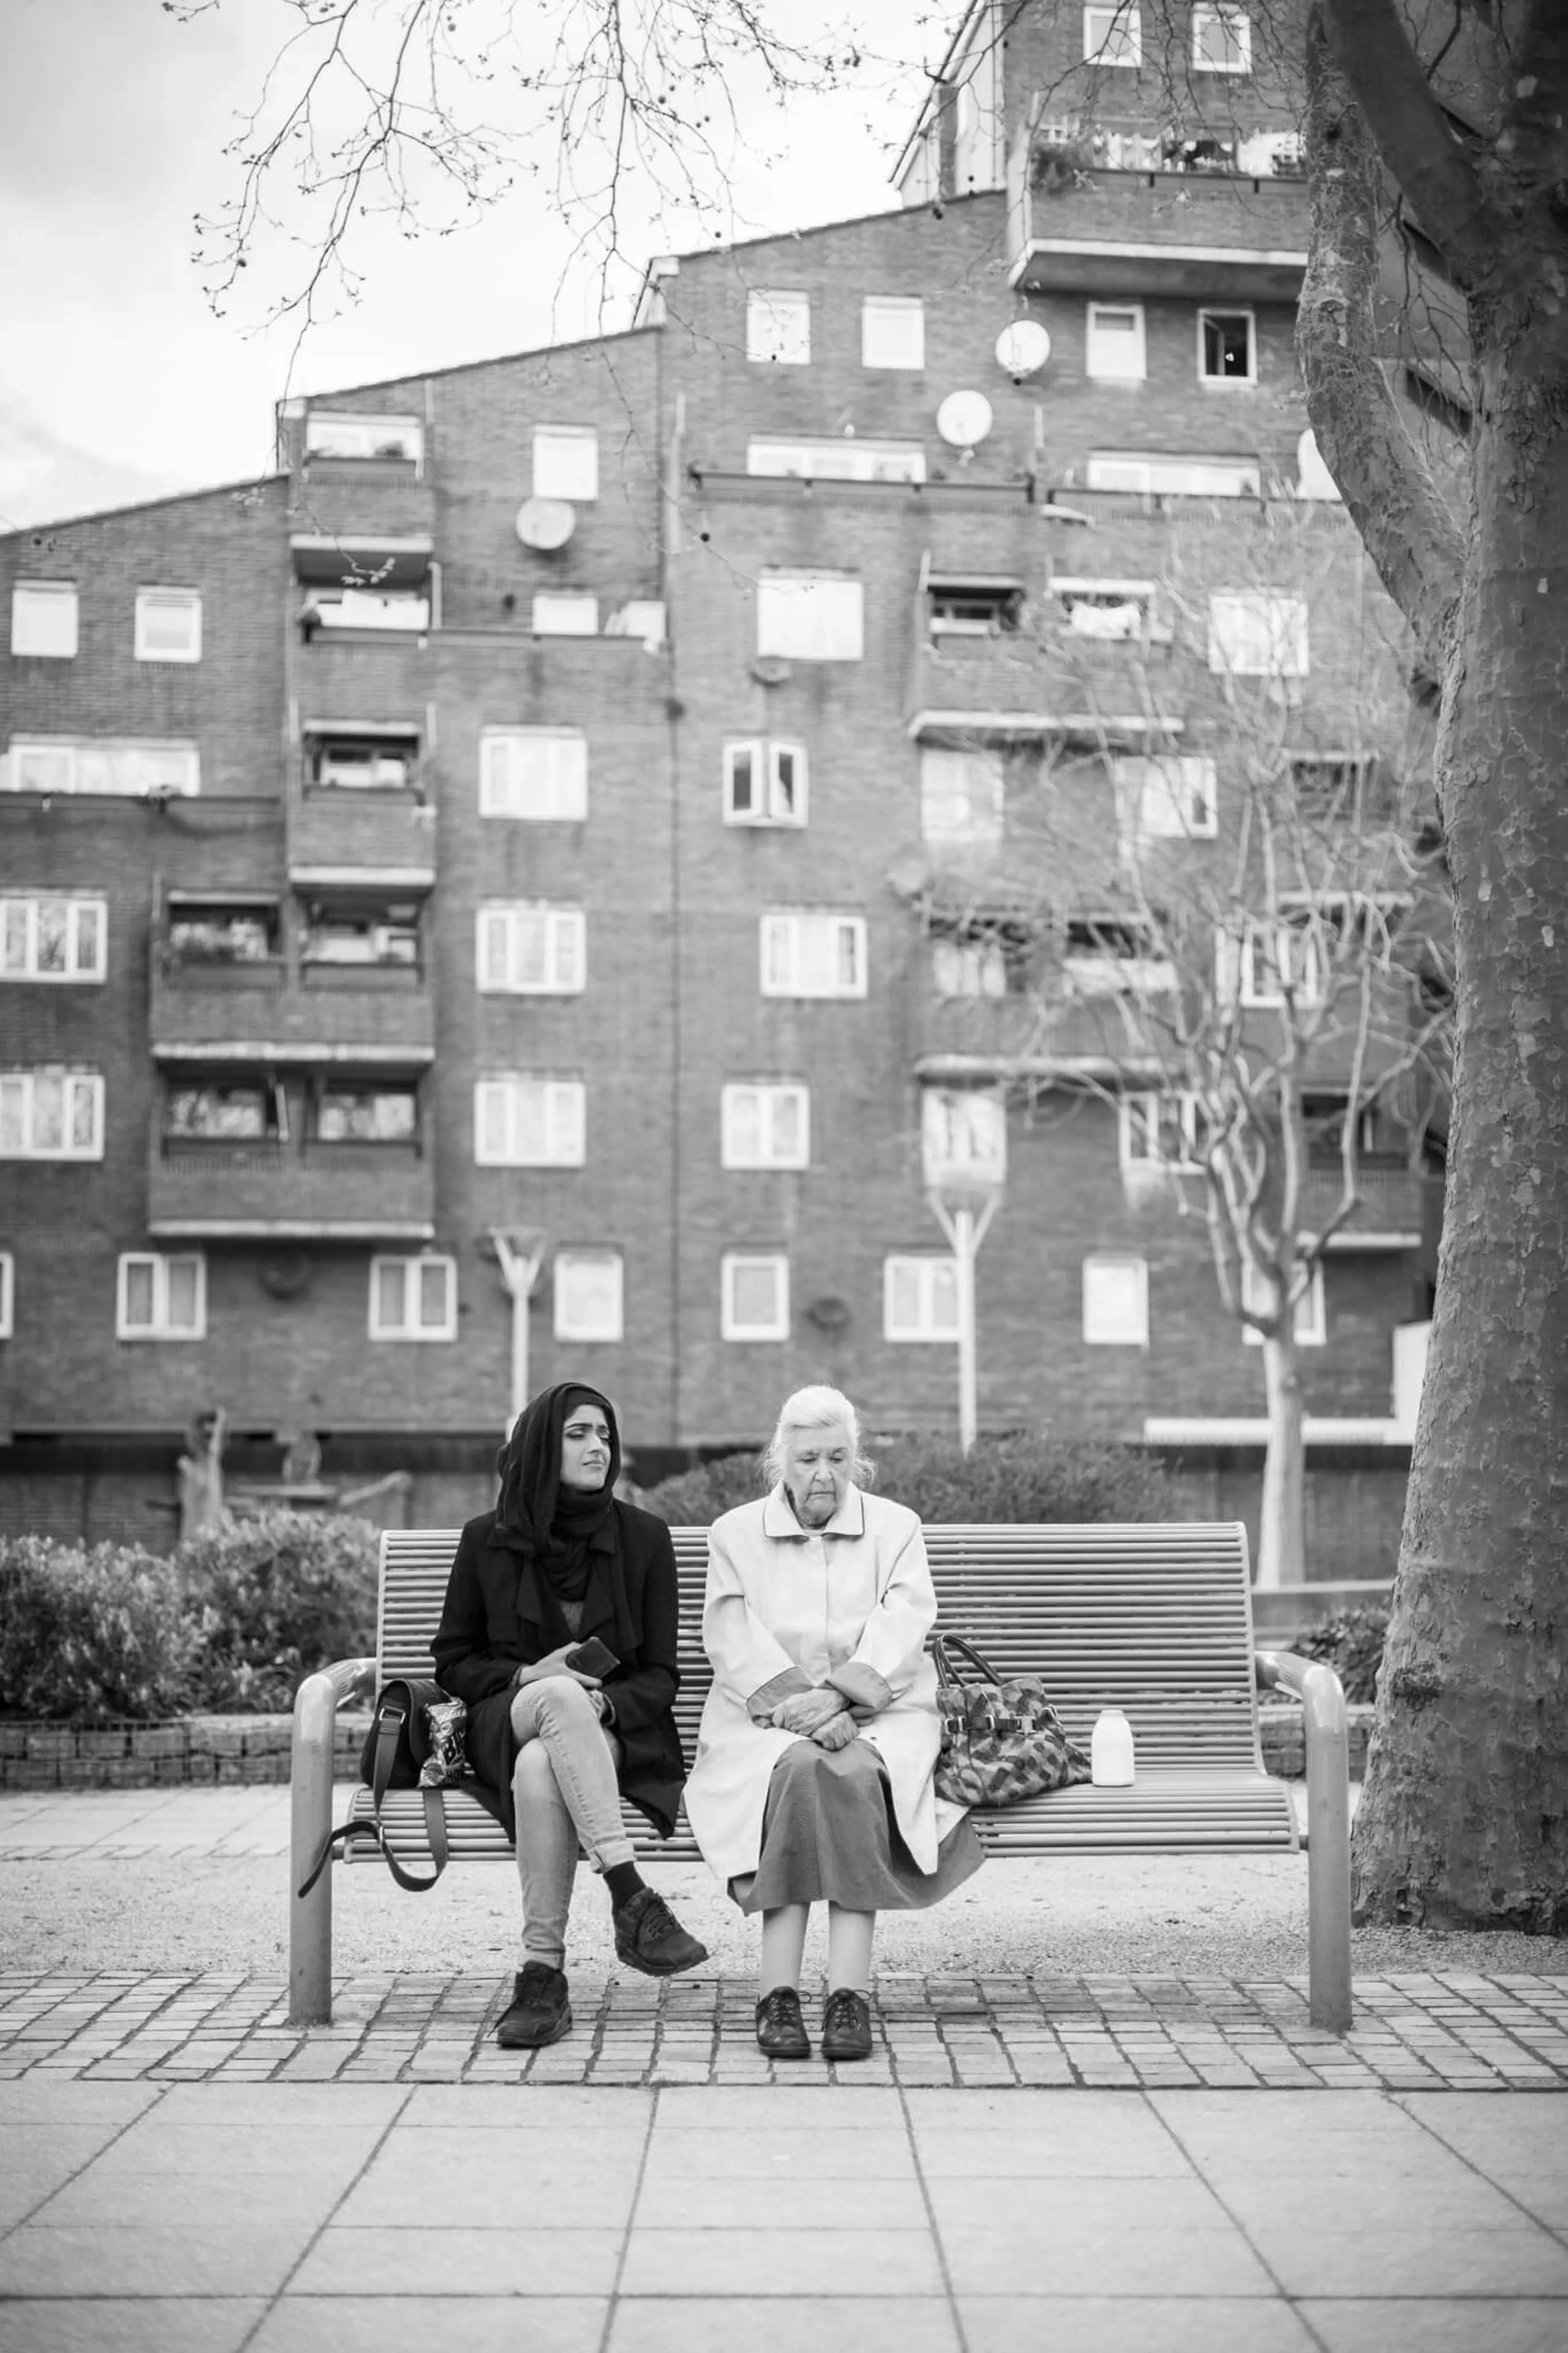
point(806, 1712)
point(836, 1733)
point(554, 1663)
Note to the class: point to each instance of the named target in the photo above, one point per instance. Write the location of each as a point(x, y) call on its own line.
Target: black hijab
point(569, 1536)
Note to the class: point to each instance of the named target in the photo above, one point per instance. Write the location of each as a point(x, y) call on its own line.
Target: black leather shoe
point(847, 2025)
point(781, 2030)
point(650, 1937)
point(539, 2011)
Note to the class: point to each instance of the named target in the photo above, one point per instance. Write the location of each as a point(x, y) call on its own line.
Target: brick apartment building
point(616, 811)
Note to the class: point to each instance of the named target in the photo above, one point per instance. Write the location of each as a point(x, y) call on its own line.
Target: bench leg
point(309, 1819)
point(1328, 1853)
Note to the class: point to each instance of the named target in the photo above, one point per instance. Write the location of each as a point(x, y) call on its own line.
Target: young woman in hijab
point(554, 1748)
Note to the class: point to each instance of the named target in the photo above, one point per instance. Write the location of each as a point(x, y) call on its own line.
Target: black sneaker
point(650, 1937)
point(847, 2025)
point(539, 2011)
point(781, 2030)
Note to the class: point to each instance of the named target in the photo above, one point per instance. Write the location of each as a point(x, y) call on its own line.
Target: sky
point(118, 381)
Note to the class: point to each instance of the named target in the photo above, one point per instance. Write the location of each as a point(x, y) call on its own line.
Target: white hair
point(816, 1408)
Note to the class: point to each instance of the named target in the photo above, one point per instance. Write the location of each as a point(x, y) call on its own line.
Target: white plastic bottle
point(1111, 1750)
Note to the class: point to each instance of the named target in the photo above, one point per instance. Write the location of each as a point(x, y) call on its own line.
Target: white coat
point(788, 1609)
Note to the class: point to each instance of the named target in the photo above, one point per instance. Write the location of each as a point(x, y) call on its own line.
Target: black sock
point(623, 1880)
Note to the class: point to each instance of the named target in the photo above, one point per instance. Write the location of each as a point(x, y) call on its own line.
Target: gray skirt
point(829, 1835)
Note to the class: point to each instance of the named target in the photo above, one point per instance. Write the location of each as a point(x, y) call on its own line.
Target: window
point(1116, 1302)
point(48, 938)
point(1329, 784)
point(1228, 347)
point(805, 954)
point(981, 957)
point(219, 1113)
point(963, 1137)
point(7, 1296)
point(1255, 635)
point(367, 1115)
point(1114, 956)
point(764, 782)
point(765, 1126)
point(44, 618)
point(1161, 1131)
point(588, 1295)
point(1308, 1316)
point(1112, 36)
point(810, 616)
point(565, 614)
point(1221, 41)
point(1116, 610)
point(1205, 478)
point(52, 764)
point(160, 1296)
point(347, 759)
point(778, 327)
point(839, 460)
point(533, 772)
point(920, 1299)
point(892, 332)
point(976, 608)
point(217, 931)
point(566, 462)
point(538, 951)
point(392, 439)
point(356, 934)
point(1113, 342)
point(51, 1115)
point(529, 1123)
point(1166, 796)
point(961, 795)
point(1279, 956)
point(168, 625)
point(754, 1295)
point(413, 1299)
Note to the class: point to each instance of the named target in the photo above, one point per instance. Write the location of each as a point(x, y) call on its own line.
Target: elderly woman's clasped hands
point(824, 1717)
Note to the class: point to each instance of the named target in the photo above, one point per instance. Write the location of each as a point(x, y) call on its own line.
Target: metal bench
point(1155, 1618)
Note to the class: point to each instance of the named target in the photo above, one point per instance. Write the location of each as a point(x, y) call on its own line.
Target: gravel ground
point(1241, 1916)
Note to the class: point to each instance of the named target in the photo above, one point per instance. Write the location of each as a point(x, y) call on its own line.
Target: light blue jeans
point(563, 1786)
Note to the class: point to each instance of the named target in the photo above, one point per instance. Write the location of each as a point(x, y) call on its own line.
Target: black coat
point(482, 1640)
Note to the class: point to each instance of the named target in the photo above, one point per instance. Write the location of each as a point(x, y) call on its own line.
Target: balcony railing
point(357, 826)
point(269, 1187)
point(307, 1011)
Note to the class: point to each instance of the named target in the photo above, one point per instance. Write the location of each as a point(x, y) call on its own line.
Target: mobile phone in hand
point(593, 1658)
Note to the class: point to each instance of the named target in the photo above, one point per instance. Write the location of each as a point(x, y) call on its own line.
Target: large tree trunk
point(1282, 1528)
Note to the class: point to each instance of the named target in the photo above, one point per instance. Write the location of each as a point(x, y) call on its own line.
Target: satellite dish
point(770, 670)
point(1023, 348)
point(963, 419)
point(545, 523)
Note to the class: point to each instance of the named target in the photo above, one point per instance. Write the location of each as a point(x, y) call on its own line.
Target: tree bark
point(1281, 1530)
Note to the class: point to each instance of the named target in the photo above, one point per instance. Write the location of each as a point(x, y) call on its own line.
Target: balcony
point(305, 1190)
point(272, 1009)
point(1397, 1206)
point(339, 830)
point(1021, 684)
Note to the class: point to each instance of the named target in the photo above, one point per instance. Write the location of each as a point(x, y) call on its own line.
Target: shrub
point(1003, 1479)
point(90, 1633)
point(274, 1599)
point(1352, 1643)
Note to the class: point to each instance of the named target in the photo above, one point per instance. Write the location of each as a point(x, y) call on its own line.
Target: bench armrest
point(316, 1705)
point(1323, 1699)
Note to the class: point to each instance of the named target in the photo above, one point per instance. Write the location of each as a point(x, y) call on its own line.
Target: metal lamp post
point(521, 1252)
point(965, 1152)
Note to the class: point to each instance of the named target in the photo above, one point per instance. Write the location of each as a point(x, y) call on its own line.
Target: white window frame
point(160, 1262)
point(925, 1270)
point(410, 1330)
point(1170, 476)
point(62, 596)
point(558, 790)
point(1294, 944)
point(731, 1266)
point(826, 459)
point(153, 602)
point(7, 1296)
point(1147, 1102)
point(1309, 1317)
point(1207, 311)
point(982, 794)
point(964, 1135)
point(565, 949)
point(1123, 25)
point(778, 326)
point(769, 1098)
point(350, 426)
point(569, 1321)
point(892, 332)
point(1261, 614)
point(785, 962)
point(559, 1107)
point(811, 616)
point(32, 905)
point(968, 968)
point(68, 1079)
point(1237, 24)
point(767, 757)
point(564, 613)
point(1156, 789)
point(567, 463)
point(59, 762)
point(1103, 1328)
point(1139, 345)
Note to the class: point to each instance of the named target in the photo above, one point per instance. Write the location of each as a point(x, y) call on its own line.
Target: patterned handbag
point(1001, 1738)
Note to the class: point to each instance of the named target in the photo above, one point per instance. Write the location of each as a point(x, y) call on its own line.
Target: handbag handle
point(943, 1645)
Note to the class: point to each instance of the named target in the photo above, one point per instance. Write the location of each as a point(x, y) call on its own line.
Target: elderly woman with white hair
point(821, 1732)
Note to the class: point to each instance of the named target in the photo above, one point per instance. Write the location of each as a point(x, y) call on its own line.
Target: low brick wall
point(254, 1749)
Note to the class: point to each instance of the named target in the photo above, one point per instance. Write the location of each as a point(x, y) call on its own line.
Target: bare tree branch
point(1372, 45)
